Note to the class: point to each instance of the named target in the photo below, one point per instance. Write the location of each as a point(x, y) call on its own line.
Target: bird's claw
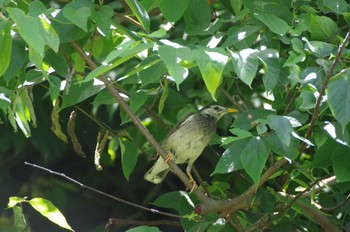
point(194, 184)
point(168, 157)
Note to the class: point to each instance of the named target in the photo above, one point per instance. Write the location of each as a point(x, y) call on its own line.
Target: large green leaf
point(140, 13)
point(51, 212)
point(197, 17)
point(281, 126)
point(254, 156)
point(172, 54)
point(211, 63)
point(129, 157)
point(168, 9)
point(341, 164)
point(245, 63)
point(322, 27)
point(338, 6)
point(5, 45)
point(77, 16)
point(238, 35)
point(272, 69)
point(231, 159)
point(81, 91)
point(274, 23)
point(103, 18)
point(338, 94)
point(290, 151)
point(37, 32)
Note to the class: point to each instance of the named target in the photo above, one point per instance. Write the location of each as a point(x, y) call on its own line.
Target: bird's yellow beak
point(231, 110)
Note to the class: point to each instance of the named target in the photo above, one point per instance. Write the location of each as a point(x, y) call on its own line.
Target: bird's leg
point(188, 171)
point(169, 157)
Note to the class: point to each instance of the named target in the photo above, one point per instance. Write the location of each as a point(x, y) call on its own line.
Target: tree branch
point(242, 201)
point(115, 93)
point(324, 87)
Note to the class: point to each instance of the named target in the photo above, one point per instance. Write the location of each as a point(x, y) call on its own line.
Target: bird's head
point(216, 111)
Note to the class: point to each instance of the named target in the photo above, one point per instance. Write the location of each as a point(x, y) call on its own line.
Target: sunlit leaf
point(51, 212)
point(211, 63)
point(140, 13)
point(274, 23)
point(245, 63)
point(5, 45)
point(338, 94)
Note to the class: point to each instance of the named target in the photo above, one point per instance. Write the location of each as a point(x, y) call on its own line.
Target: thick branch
point(115, 93)
point(243, 200)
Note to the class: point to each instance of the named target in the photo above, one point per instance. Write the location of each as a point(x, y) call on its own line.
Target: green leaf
point(322, 27)
point(55, 85)
point(80, 91)
point(5, 45)
point(239, 34)
point(66, 30)
point(281, 126)
point(167, 8)
point(324, 154)
point(169, 200)
point(14, 201)
point(341, 164)
point(290, 151)
point(274, 23)
point(20, 221)
point(306, 100)
point(245, 63)
point(211, 63)
point(77, 14)
point(338, 94)
point(246, 120)
point(144, 229)
point(337, 6)
point(36, 8)
point(51, 212)
point(172, 54)
point(140, 12)
point(125, 52)
point(254, 156)
point(103, 18)
point(272, 69)
point(197, 17)
point(129, 157)
point(57, 62)
point(28, 27)
point(37, 32)
point(231, 159)
point(319, 49)
point(138, 99)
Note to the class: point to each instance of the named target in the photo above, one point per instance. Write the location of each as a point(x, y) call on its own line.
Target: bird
point(186, 141)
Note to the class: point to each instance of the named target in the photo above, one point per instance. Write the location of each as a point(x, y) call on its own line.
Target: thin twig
point(102, 193)
point(324, 87)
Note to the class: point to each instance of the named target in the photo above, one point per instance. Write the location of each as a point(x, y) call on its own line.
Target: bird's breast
point(188, 141)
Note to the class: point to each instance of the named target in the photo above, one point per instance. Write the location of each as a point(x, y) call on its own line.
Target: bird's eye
point(216, 108)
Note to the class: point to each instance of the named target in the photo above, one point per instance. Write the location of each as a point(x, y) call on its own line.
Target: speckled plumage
point(187, 140)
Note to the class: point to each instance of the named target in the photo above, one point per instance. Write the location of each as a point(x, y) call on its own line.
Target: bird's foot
point(169, 157)
point(194, 184)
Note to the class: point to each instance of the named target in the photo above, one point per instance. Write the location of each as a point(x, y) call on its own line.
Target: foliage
point(282, 63)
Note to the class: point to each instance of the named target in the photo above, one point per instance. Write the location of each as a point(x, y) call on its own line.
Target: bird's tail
point(155, 178)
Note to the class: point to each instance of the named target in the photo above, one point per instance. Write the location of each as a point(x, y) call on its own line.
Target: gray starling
point(187, 140)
